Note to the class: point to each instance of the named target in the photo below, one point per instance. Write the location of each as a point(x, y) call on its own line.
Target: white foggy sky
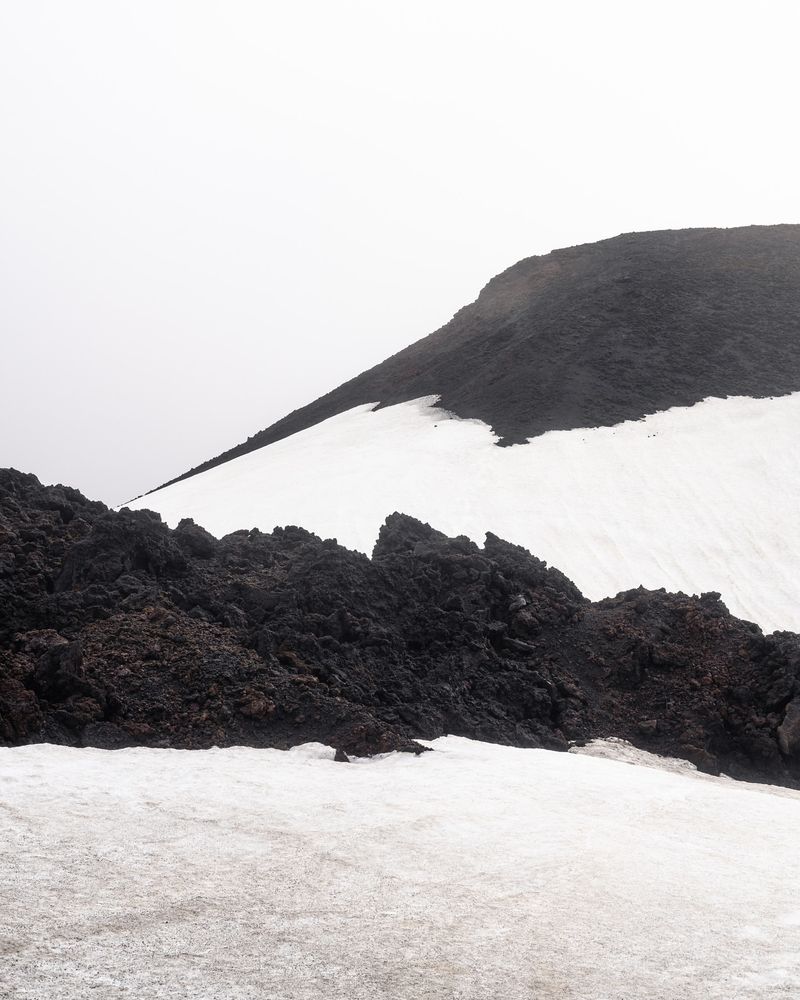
point(212, 212)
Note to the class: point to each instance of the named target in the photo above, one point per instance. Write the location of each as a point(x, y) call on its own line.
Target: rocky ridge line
point(118, 631)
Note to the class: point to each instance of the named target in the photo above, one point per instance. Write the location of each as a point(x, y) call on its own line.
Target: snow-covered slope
point(476, 871)
point(694, 498)
point(649, 385)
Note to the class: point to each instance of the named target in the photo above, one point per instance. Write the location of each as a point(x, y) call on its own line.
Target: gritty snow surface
point(476, 871)
point(694, 498)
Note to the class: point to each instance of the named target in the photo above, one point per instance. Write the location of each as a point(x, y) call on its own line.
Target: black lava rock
point(117, 631)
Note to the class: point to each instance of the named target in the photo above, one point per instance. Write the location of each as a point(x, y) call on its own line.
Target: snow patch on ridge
point(619, 750)
point(693, 498)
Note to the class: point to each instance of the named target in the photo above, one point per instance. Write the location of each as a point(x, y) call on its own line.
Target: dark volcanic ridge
point(597, 334)
point(117, 631)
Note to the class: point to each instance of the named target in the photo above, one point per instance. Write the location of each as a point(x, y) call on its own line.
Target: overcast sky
point(212, 212)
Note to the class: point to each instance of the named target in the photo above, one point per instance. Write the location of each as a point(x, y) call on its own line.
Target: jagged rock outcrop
point(117, 631)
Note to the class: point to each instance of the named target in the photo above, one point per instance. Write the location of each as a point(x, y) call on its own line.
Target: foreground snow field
point(474, 872)
point(696, 498)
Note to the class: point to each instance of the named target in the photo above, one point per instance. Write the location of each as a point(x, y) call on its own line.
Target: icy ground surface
point(477, 872)
point(694, 498)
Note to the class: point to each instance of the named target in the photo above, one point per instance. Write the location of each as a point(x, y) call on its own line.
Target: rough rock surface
point(117, 631)
point(593, 335)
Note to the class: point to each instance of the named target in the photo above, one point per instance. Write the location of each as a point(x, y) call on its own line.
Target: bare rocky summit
point(592, 335)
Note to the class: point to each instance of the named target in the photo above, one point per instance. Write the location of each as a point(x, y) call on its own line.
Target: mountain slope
point(693, 499)
point(597, 334)
point(657, 377)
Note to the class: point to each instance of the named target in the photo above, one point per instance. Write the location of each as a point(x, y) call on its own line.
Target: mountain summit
point(593, 335)
point(650, 384)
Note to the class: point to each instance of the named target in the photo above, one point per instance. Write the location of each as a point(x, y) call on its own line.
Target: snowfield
point(693, 498)
point(475, 872)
